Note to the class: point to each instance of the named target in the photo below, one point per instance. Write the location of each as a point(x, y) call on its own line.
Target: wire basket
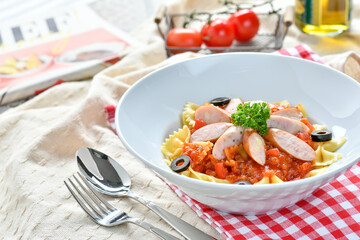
point(270, 36)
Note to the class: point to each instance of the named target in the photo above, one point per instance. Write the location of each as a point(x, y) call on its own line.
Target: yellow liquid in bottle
point(323, 17)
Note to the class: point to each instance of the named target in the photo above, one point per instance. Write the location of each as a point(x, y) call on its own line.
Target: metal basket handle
point(288, 19)
point(159, 15)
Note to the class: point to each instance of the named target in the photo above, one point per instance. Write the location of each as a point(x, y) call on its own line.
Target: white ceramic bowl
point(151, 110)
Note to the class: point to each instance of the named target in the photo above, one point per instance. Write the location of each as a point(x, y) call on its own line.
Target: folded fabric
point(348, 62)
point(331, 212)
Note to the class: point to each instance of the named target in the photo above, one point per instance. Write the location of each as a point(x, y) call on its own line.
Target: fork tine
point(94, 201)
point(103, 200)
point(91, 214)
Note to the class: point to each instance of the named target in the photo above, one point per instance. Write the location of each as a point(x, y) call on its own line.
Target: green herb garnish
point(252, 115)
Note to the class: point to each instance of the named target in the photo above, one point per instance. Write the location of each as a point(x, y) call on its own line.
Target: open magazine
point(68, 45)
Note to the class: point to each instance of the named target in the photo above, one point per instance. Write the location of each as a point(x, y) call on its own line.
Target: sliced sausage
point(211, 114)
point(292, 112)
point(290, 144)
point(209, 132)
point(231, 137)
point(254, 145)
point(287, 124)
point(233, 104)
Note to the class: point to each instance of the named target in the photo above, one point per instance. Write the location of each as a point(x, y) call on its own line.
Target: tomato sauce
point(239, 166)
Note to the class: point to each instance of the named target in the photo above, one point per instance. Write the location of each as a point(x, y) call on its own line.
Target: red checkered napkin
point(331, 212)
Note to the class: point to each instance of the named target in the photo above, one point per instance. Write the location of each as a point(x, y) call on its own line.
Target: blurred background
point(127, 15)
point(124, 14)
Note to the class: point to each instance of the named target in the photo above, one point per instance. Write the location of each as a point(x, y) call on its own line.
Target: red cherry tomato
point(246, 24)
point(183, 38)
point(219, 33)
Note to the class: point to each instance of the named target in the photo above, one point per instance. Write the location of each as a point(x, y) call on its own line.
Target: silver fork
point(102, 212)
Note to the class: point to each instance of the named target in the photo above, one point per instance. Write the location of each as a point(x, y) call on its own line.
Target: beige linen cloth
point(38, 141)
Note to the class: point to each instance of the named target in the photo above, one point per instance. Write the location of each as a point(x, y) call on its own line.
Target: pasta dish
point(255, 142)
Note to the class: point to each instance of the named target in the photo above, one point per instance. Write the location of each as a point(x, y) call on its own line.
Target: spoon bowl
point(103, 172)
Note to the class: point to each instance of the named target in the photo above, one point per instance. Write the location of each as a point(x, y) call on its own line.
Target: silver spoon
point(109, 178)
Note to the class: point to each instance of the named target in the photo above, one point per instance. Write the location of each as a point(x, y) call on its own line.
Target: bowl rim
point(332, 174)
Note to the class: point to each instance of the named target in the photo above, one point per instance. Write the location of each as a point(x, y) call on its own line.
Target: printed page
point(70, 44)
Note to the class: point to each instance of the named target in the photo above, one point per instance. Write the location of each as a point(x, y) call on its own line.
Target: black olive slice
point(220, 101)
point(242, 182)
point(180, 163)
point(321, 135)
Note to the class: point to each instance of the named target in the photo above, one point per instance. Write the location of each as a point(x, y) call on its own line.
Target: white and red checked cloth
point(331, 212)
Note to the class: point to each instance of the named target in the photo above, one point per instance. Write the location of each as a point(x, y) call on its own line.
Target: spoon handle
point(184, 228)
point(156, 231)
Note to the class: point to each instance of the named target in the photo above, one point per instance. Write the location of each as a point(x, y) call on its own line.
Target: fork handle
point(156, 231)
point(185, 229)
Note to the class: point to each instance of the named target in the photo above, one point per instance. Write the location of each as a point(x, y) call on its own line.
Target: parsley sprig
point(252, 115)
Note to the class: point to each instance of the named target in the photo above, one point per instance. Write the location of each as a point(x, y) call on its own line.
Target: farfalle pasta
point(172, 147)
point(188, 115)
point(225, 152)
point(201, 176)
point(269, 180)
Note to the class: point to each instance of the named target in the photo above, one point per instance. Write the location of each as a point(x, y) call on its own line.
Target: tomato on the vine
point(246, 24)
point(183, 38)
point(219, 33)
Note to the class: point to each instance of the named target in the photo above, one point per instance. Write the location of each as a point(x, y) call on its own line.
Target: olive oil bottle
point(323, 17)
